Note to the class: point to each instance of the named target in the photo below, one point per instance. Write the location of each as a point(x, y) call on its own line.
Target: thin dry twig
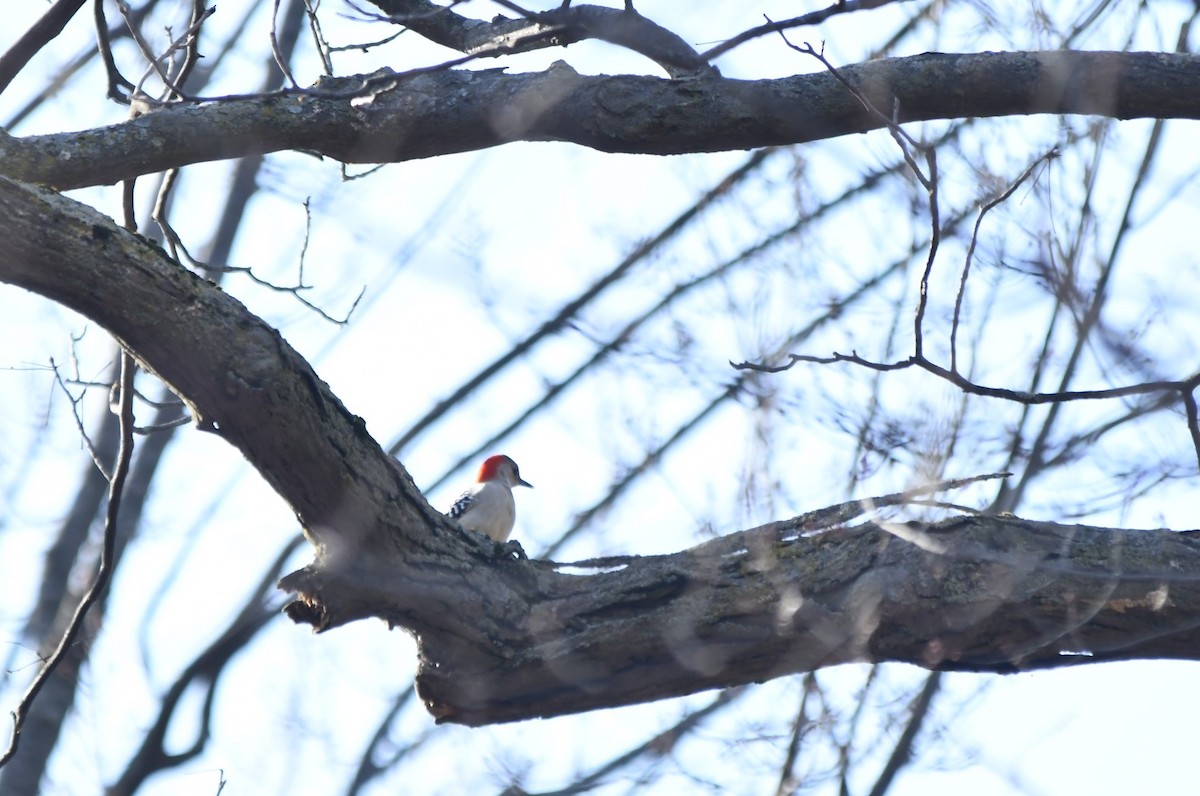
point(318, 34)
point(280, 60)
point(1185, 387)
point(83, 435)
point(929, 181)
point(184, 42)
point(811, 18)
point(180, 253)
point(103, 572)
point(991, 204)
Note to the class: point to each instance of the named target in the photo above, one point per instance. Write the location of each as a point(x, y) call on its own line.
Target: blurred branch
point(731, 391)
point(861, 715)
point(800, 725)
point(628, 331)
point(368, 769)
point(1184, 388)
point(903, 748)
point(566, 314)
point(206, 669)
point(658, 745)
point(1098, 294)
point(116, 81)
point(55, 81)
point(44, 31)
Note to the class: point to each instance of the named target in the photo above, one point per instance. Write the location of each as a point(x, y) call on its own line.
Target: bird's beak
point(523, 482)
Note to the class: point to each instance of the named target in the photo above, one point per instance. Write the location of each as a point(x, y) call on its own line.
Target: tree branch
point(555, 28)
point(502, 640)
point(390, 117)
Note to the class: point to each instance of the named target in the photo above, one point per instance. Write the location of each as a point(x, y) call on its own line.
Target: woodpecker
point(488, 506)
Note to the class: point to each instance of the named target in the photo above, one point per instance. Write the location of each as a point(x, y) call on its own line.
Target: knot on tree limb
point(307, 608)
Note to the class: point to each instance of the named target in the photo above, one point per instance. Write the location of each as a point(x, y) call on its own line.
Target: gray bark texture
point(393, 117)
point(503, 638)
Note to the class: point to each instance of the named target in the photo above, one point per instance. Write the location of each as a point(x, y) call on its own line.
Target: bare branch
point(564, 316)
point(116, 487)
point(987, 206)
point(180, 252)
point(116, 81)
point(355, 120)
point(811, 18)
point(280, 61)
point(555, 28)
point(900, 753)
point(83, 435)
point(658, 745)
point(184, 42)
point(205, 670)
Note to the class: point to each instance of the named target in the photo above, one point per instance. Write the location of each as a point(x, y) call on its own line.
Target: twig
point(314, 26)
point(929, 181)
point(962, 282)
point(280, 60)
point(811, 18)
point(180, 253)
point(116, 486)
point(1017, 396)
point(191, 49)
point(185, 41)
point(87, 441)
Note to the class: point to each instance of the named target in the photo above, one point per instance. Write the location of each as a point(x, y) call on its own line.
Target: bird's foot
point(511, 549)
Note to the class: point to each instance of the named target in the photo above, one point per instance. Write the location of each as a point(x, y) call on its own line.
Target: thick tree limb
point(388, 117)
point(980, 594)
point(502, 640)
